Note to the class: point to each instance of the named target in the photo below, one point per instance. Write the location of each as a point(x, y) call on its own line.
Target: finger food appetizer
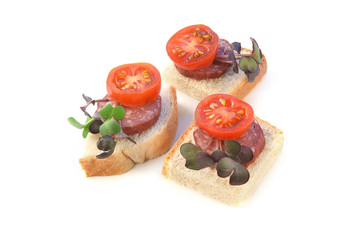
point(225, 152)
point(204, 64)
point(136, 121)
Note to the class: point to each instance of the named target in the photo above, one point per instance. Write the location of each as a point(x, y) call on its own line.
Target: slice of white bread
point(207, 181)
point(150, 143)
point(235, 84)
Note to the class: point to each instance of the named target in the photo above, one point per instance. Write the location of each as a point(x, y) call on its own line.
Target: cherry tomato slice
point(193, 47)
point(224, 116)
point(134, 84)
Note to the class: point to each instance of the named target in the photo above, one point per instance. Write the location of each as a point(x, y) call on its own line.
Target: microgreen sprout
point(228, 162)
point(106, 121)
point(247, 62)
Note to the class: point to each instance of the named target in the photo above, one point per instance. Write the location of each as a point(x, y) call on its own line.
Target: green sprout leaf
point(248, 64)
point(78, 125)
point(106, 111)
point(118, 112)
point(75, 123)
point(85, 132)
point(109, 127)
point(256, 53)
point(188, 151)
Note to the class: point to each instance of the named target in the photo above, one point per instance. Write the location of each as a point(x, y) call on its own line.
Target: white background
point(53, 51)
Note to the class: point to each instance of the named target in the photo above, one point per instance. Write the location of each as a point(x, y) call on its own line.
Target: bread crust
point(117, 163)
point(235, 84)
point(127, 154)
point(206, 180)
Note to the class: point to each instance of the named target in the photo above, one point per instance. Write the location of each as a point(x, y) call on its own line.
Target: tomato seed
point(219, 121)
point(121, 76)
point(241, 112)
point(207, 37)
point(126, 86)
point(222, 101)
point(211, 116)
point(214, 105)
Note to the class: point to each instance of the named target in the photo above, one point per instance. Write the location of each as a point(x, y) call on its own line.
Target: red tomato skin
point(135, 98)
point(228, 133)
point(195, 63)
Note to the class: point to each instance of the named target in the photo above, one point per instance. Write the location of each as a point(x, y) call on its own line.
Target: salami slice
point(252, 138)
point(215, 70)
point(140, 118)
point(206, 142)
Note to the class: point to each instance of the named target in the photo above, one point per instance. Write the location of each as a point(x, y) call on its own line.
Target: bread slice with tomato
point(136, 121)
point(204, 64)
point(225, 152)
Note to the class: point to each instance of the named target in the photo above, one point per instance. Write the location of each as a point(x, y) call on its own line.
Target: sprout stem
point(83, 108)
point(220, 58)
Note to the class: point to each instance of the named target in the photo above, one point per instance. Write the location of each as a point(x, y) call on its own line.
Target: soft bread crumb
point(206, 180)
point(235, 84)
point(149, 144)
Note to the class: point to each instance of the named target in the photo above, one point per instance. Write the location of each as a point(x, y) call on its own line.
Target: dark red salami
point(140, 118)
point(252, 138)
point(215, 70)
point(206, 142)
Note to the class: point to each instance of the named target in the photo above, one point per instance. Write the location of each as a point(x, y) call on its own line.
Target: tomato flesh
point(133, 84)
point(193, 47)
point(224, 116)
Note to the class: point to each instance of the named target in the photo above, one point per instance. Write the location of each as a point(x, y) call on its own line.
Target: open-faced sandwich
point(225, 151)
point(204, 64)
point(136, 121)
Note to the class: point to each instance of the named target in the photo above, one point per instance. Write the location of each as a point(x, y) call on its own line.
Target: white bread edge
point(150, 144)
point(235, 84)
point(206, 180)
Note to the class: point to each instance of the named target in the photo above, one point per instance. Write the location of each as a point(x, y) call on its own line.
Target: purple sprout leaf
point(240, 175)
point(203, 160)
point(225, 167)
point(245, 155)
